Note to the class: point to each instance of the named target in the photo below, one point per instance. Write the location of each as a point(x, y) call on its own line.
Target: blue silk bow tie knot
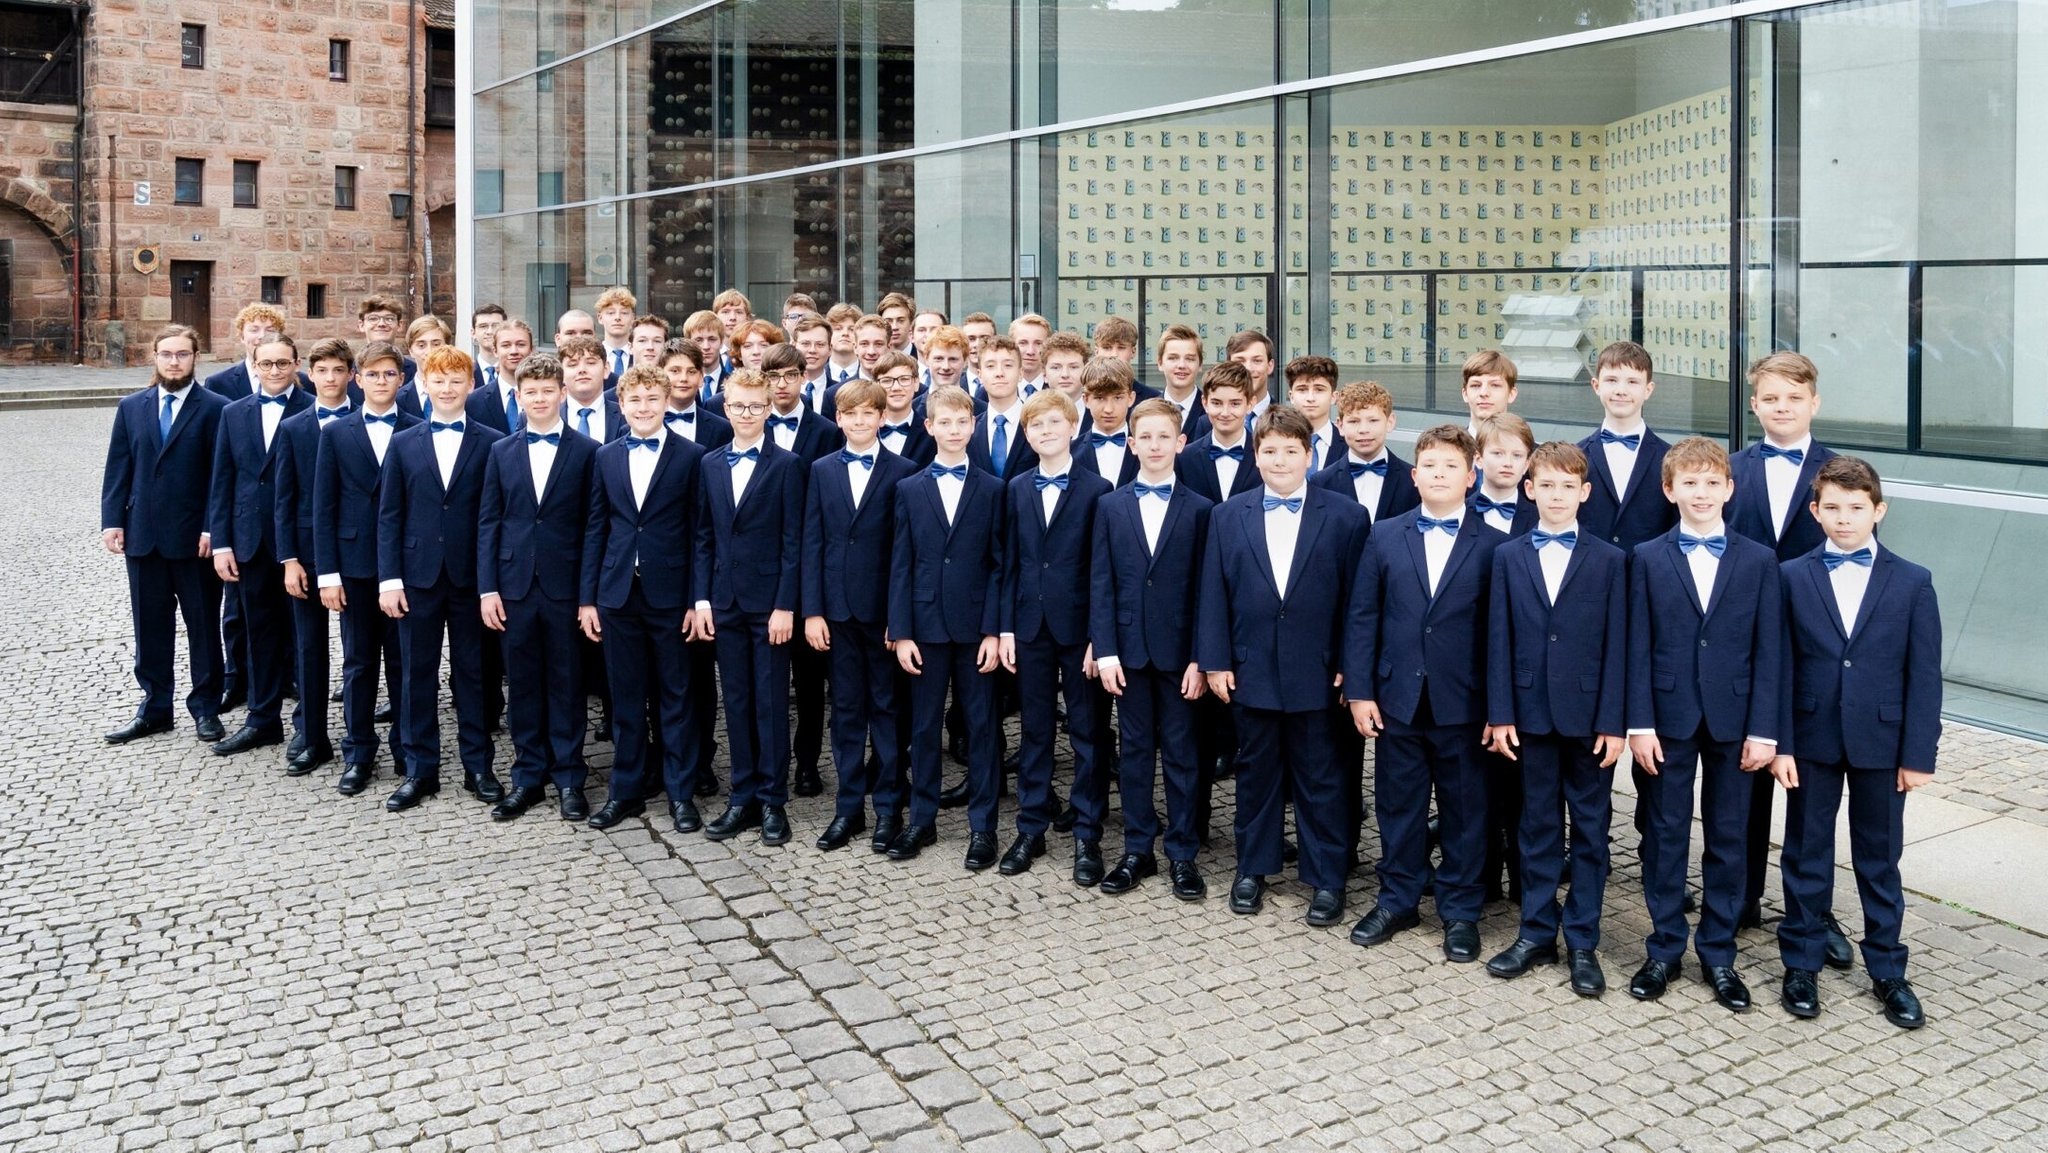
point(550, 437)
point(1041, 482)
point(788, 422)
point(1569, 538)
point(647, 442)
point(451, 426)
point(1218, 452)
point(1631, 442)
point(1162, 491)
point(957, 472)
point(1834, 560)
point(1098, 439)
point(1486, 504)
point(1290, 503)
point(732, 457)
point(1713, 544)
point(1768, 450)
point(1373, 466)
point(322, 412)
point(865, 459)
point(689, 417)
point(390, 418)
point(903, 428)
point(280, 400)
point(1423, 523)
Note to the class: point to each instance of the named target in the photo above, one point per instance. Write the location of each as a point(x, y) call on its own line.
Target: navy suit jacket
point(918, 446)
point(945, 582)
point(1142, 602)
point(1046, 562)
point(846, 550)
point(1198, 472)
point(522, 542)
point(1021, 456)
point(426, 530)
point(1627, 519)
point(1525, 518)
point(1084, 460)
point(815, 436)
point(1720, 668)
point(347, 494)
point(709, 430)
point(155, 488)
point(614, 421)
point(1286, 652)
point(1749, 510)
point(1397, 489)
point(484, 408)
point(298, 459)
point(749, 554)
point(1403, 642)
point(1871, 696)
point(233, 383)
point(657, 536)
point(242, 508)
point(1559, 668)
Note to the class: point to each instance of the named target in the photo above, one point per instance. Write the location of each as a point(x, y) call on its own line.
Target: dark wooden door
point(192, 297)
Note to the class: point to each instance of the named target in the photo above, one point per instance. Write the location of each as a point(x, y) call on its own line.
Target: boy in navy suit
point(1050, 512)
point(1773, 483)
point(637, 571)
point(847, 535)
point(999, 445)
point(794, 427)
point(583, 405)
point(256, 325)
point(902, 429)
point(1142, 575)
point(1862, 714)
point(1486, 383)
point(1217, 466)
point(1312, 390)
point(242, 511)
point(1369, 472)
point(1414, 649)
point(945, 599)
point(1556, 684)
point(496, 409)
point(1626, 458)
point(529, 558)
point(153, 514)
point(683, 362)
point(1104, 447)
point(1277, 572)
point(1504, 441)
point(427, 580)
point(348, 482)
point(1179, 360)
point(1705, 642)
point(331, 366)
point(749, 532)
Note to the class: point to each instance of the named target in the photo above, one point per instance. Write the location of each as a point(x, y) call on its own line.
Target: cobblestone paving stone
point(203, 954)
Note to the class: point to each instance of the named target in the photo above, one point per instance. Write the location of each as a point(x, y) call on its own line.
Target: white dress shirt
point(1226, 468)
point(1320, 442)
point(540, 459)
point(840, 374)
point(1850, 581)
point(572, 415)
point(1781, 481)
point(1553, 559)
point(1152, 514)
point(1049, 496)
point(1109, 457)
point(255, 385)
point(1496, 518)
point(858, 474)
point(508, 402)
point(785, 437)
point(949, 491)
point(1183, 405)
point(617, 360)
point(380, 433)
point(640, 466)
point(1436, 549)
point(1704, 564)
point(895, 439)
point(271, 414)
point(1012, 428)
point(1367, 486)
point(447, 446)
point(1621, 459)
point(742, 470)
point(1283, 529)
point(813, 393)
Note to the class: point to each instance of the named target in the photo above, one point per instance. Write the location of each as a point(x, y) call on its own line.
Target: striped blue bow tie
point(1834, 560)
point(550, 437)
point(1769, 450)
point(451, 426)
point(1713, 544)
point(1290, 503)
point(1424, 523)
point(1569, 538)
point(1631, 442)
point(1162, 491)
point(1041, 482)
point(940, 471)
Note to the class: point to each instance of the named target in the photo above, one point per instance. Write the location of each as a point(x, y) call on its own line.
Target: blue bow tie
point(280, 400)
point(451, 426)
point(788, 422)
point(1631, 442)
point(1569, 538)
point(1768, 450)
point(1425, 522)
point(1484, 504)
point(1290, 503)
point(1714, 544)
point(732, 457)
point(1041, 481)
point(551, 437)
point(865, 459)
point(649, 442)
point(321, 412)
point(903, 428)
point(1218, 452)
point(1098, 439)
point(1162, 491)
point(390, 418)
point(689, 417)
point(957, 472)
point(1373, 466)
point(1834, 560)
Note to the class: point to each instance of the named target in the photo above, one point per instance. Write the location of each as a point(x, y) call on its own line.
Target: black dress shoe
point(334, 695)
point(384, 715)
point(1130, 869)
point(1653, 978)
point(1013, 763)
point(1901, 1005)
point(1521, 957)
point(841, 831)
point(684, 815)
point(355, 778)
point(1247, 895)
point(732, 822)
point(573, 805)
point(1800, 993)
point(1840, 955)
point(888, 826)
point(308, 758)
point(410, 791)
point(1326, 907)
point(297, 746)
point(911, 841)
point(136, 728)
point(1187, 880)
point(1020, 854)
point(706, 786)
point(954, 796)
point(1379, 925)
point(1691, 904)
point(981, 851)
point(515, 803)
point(808, 783)
point(1289, 853)
point(209, 729)
point(1068, 818)
point(1461, 941)
point(1728, 987)
point(956, 748)
point(246, 738)
point(233, 696)
point(1088, 863)
point(613, 811)
point(1751, 917)
point(485, 785)
point(1588, 980)
point(774, 825)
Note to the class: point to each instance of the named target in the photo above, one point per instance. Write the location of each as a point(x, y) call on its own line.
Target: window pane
point(192, 45)
point(345, 188)
point(245, 184)
point(191, 181)
point(337, 59)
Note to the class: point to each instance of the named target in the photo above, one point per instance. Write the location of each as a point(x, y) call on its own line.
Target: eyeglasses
point(897, 378)
point(755, 408)
point(274, 365)
point(786, 374)
point(167, 354)
point(380, 318)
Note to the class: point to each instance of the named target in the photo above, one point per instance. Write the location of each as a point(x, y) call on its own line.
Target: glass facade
point(1389, 182)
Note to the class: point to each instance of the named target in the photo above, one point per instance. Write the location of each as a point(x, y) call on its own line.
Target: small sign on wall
point(142, 192)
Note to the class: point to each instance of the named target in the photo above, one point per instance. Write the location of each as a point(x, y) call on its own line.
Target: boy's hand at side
point(1222, 684)
point(1501, 739)
point(908, 656)
point(817, 633)
point(1365, 716)
point(989, 655)
point(1647, 750)
point(296, 582)
point(1910, 779)
point(586, 619)
point(781, 626)
point(1608, 747)
point(1191, 682)
point(1786, 770)
point(1112, 678)
point(393, 603)
point(492, 606)
point(1758, 755)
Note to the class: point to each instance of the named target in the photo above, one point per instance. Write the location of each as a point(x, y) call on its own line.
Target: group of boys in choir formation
point(900, 506)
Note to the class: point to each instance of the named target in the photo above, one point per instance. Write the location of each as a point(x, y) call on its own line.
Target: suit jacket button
point(1848, 664)
point(1703, 644)
point(1553, 636)
point(1427, 629)
point(1148, 584)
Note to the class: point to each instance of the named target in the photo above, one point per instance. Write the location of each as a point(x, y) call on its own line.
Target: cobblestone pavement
point(202, 954)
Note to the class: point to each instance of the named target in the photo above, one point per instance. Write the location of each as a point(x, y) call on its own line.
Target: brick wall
point(35, 212)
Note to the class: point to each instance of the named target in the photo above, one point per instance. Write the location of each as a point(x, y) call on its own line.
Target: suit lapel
point(180, 418)
point(1597, 460)
point(1817, 571)
point(1723, 573)
point(1571, 568)
point(1683, 568)
point(1467, 539)
point(1263, 554)
point(1311, 526)
point(1176, 506)
point(938, 503)
point(1880, 572)
point(669, 452)
point(522, 472)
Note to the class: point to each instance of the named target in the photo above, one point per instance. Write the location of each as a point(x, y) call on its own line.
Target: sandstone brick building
point(175, 161)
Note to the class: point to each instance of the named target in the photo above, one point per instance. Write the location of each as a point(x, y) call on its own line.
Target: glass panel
point(1852, 322)
point(1979, 377)
point(1373, 33)
point(512, 35)
point(1120, 57)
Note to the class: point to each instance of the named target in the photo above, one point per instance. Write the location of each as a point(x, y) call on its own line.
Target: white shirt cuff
point(226, 552)
point(390, 586)
point(329, 580)
point(1762, 741)
point(1109, 662)
point(1642, 732)
point(701, 607)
